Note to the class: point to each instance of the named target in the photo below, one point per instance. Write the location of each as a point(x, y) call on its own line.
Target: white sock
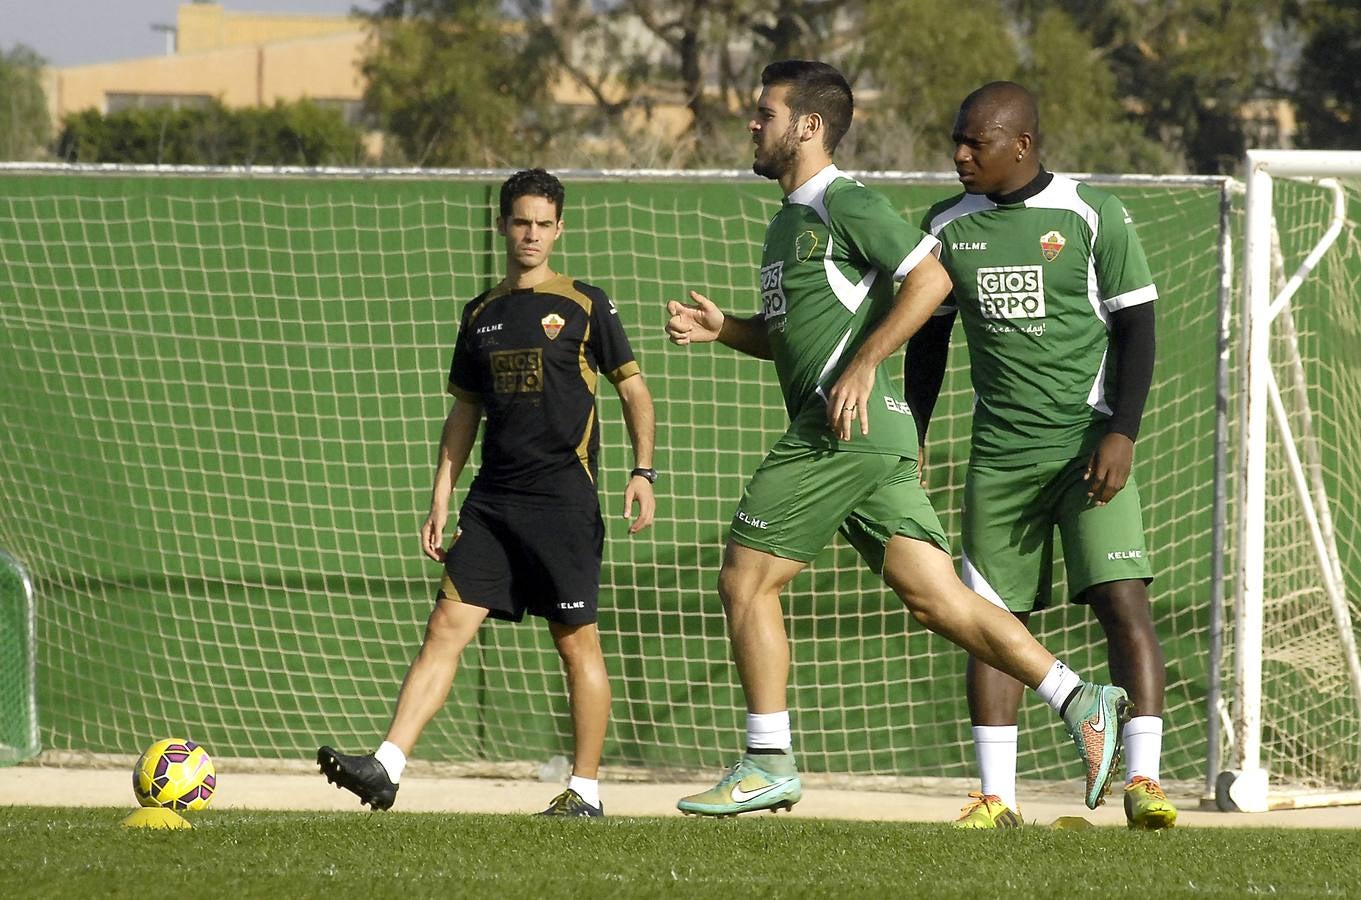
point(1057, 685)
point(995, 747)
point(587, 789)
point(769, 731)
point(1143, 747)
point(392, 758)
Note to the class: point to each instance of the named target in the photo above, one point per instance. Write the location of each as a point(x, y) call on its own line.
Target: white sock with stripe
point(1057, 685)
point(769, 731)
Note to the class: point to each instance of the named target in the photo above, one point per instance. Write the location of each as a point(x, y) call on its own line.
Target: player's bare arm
point(455, 445)
point(924, 288)
point(701, 322)
point(641, 420)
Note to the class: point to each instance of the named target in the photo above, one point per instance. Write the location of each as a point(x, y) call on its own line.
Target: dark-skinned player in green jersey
point(528, 358)
point(1056, 299)
point(830, 317)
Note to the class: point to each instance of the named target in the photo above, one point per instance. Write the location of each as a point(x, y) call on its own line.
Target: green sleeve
point(875, 231)
point(1122, 274)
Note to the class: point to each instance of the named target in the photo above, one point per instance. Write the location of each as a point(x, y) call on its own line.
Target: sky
point(76, 32)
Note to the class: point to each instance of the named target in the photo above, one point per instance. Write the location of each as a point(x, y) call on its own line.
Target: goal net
point(222, 397)
point(1292, 707)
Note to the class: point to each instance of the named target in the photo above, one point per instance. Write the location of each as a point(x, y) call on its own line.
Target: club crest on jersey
point(805, 245)
point(1051, 245)
point(552, 325)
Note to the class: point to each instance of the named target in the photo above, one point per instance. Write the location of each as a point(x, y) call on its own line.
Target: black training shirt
point(532, 358)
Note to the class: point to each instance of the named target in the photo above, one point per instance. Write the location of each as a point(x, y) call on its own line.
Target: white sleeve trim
point(945, 309)
point(926, 245)
point(1145, 294)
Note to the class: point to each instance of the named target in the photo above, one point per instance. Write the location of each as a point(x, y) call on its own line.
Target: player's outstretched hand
point(1109, 467)
point(432, 535)
point(848, 400)
point(639, 491)
point(694, 323)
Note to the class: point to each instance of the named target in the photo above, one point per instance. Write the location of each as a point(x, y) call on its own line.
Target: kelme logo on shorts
point(1125, 554)
point(752, 520)
point(1011, 292)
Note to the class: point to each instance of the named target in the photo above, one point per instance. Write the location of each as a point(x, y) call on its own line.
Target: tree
point(634, 57)
point(920, 83)
point(286, 134)
point(1192, 67)
point(24, 123)
point(911, 87)
point(456, 84)
point(1084, 125)
point(1328, 83)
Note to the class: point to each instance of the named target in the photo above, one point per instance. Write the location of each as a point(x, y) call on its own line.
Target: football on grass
point(175, 774)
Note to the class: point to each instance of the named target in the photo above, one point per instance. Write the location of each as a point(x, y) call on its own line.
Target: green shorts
point(1009, 517)
point(800, 496)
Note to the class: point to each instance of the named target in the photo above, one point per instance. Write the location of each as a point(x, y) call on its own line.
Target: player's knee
point(923, 601)
point(733, 587)
point(1121, 605)
point(578, 645)
point(447, 629)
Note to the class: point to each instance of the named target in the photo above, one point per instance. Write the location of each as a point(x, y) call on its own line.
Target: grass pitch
point(84, 853)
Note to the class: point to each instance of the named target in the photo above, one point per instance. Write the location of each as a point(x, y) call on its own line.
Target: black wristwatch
point(649, 474)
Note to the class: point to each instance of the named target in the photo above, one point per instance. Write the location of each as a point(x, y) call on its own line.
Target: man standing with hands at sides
point(830, 317)
point(529, 536)
point(1057, 303)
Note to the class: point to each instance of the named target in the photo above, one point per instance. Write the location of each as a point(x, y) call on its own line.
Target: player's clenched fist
point(695, 323)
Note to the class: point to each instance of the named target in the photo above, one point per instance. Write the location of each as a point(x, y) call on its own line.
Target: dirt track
point(51, 786)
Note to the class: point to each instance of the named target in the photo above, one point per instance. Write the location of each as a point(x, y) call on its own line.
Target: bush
point(300, 133)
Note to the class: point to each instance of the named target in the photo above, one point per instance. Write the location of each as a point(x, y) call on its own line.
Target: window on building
point(351, 110)
point(117, 102)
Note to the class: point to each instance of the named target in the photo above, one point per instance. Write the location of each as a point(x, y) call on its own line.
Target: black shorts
point(516, 557)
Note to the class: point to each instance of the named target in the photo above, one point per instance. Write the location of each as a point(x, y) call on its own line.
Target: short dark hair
point(531, 183)
point(815, 87)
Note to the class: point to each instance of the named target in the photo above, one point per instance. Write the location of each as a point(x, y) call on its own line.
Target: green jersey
point(1035, 283)
point(828, 266)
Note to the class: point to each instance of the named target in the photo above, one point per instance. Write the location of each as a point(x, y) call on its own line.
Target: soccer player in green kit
point(830, 316)
point(1057, 304)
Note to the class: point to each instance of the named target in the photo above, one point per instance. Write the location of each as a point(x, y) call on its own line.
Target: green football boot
point(755, 782)
point(1147, 807)
point(1096, 715)
point(987, 811)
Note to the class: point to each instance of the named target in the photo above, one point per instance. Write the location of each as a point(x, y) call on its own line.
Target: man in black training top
point(529, 537)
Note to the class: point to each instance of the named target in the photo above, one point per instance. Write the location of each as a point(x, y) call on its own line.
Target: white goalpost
point(1295, 701)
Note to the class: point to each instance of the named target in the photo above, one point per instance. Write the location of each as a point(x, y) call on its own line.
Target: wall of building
point(242, 59)
point(207, 26)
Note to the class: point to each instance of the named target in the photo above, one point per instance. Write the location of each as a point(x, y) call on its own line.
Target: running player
point(830, 317)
